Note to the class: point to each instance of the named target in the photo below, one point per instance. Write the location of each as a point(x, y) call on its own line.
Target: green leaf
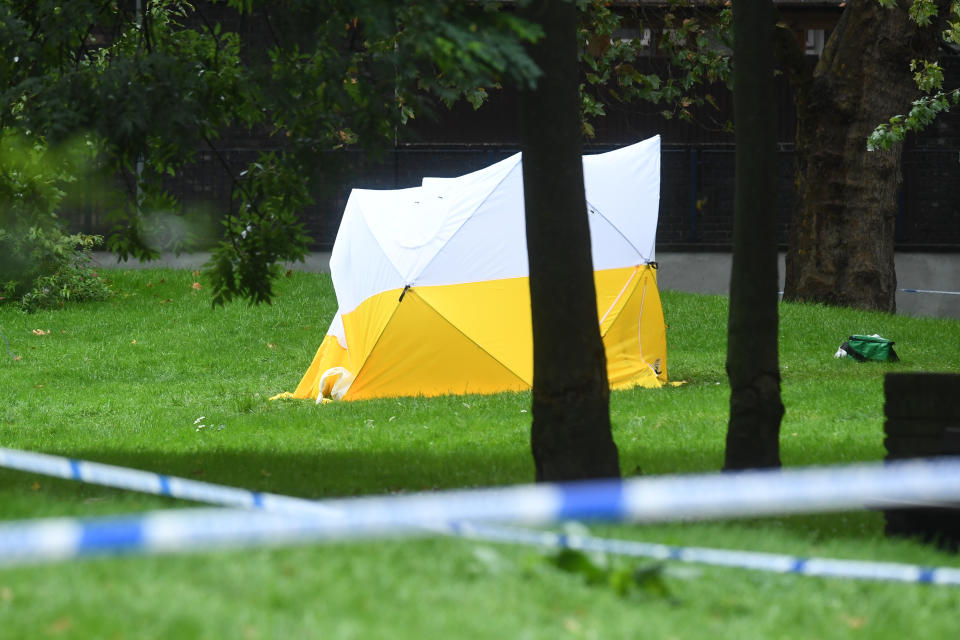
point(645, 580)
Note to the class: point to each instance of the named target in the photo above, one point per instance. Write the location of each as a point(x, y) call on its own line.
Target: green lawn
point(123, 381)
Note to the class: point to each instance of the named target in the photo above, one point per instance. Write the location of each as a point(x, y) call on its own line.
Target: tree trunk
point(752, 365)
point(570, 436)
point(842, 242)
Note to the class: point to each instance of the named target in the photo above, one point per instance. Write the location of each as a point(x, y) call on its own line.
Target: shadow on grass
point(348, 473)
point(330, 475)
point(315, 476)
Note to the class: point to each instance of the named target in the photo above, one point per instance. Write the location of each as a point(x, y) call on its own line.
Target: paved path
point(708, 273)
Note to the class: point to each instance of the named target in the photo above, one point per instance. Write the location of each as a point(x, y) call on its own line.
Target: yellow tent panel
point(476, 338)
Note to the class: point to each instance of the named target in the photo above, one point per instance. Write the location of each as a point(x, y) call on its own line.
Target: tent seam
point(383, 250)
point(619, 232)
point(375, 344)
point(617, 299)
point(643, 301)
point(467, 219)
point(622, 307)
point(474, 342)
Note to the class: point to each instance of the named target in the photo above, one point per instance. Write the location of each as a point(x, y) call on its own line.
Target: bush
point(40, 265)
point(74, 280)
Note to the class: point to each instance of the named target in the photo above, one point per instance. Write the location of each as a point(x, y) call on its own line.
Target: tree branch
point(78, 56)
point(790, 56)
point(273, 33)
point(226, 167)
point(213, 33)
point(145, 26)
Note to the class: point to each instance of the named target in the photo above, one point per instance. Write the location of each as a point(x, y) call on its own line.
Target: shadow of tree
point(340, 474)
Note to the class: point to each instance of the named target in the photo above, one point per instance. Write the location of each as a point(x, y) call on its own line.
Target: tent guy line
point(594, 210)
point(181, 530)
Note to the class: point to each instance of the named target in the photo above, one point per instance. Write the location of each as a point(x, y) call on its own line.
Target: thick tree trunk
point(752, 365)
point(842, 242)
point(570, 436)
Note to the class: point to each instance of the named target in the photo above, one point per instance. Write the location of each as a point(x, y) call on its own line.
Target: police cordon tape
point(184, 530)
point(155, 483)
point(946, 293)
point(468, 513)
point(175, 530)
point(936, 291)
point(772, 562)
point(894, 484)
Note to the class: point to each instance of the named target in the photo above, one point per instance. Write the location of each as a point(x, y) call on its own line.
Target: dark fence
point(696, 197)
point(929, 216)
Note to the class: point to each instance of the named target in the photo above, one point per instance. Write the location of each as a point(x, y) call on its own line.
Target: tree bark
point(841, 248)
point(570, 436)
point(752, 364)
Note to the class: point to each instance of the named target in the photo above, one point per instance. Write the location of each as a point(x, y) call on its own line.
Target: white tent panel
point(486, 177)
point(358, 266)
point(472, 229)
point(410, 226)
point(624, 186)
point(336, 329)
point(610, 248)
point(623, 196)
point(492, 244)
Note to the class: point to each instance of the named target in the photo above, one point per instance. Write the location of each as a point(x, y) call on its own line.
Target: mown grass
point(123, 382)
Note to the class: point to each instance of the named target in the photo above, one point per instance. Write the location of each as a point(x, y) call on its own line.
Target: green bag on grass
point(863, 348)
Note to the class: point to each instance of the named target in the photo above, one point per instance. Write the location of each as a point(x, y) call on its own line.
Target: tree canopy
point(150, 83)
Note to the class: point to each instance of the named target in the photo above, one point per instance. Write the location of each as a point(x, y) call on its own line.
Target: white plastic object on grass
point(341, 381)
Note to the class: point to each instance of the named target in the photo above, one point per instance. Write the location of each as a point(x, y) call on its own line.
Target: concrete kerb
point(316, 262)
point(693, 272)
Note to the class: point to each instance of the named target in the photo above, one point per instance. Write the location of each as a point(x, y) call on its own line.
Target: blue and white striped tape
point(893, 484)
point(179, 530)
point(13, 356)
point(773, 562)
point(947, 293)
point(204, 529)
point(155, 483)
point(664, 498)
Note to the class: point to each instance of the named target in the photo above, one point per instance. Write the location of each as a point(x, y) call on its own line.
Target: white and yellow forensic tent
point(432, 286)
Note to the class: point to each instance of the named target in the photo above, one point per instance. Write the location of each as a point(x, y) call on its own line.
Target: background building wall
point(696, 212)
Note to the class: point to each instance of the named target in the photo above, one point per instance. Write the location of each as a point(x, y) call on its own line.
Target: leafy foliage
point(74, 280)
point(928, 76)
point(696, 42)
point(151, 89)
point(154, 87)
point(924, 110)
point(645, 579)
point(256, 244)
point(39, 263)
